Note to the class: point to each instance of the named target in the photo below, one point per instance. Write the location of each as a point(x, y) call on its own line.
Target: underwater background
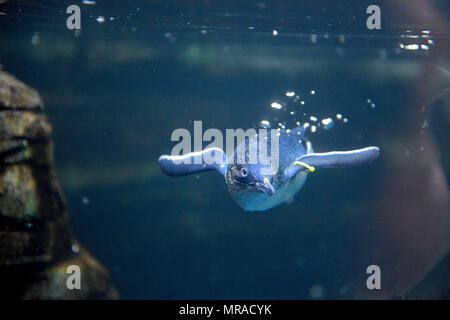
point(115, 90)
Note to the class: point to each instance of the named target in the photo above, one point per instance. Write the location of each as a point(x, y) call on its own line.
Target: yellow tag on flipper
point(307, 166)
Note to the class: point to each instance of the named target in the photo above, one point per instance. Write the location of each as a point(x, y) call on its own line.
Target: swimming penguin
point(254, 190)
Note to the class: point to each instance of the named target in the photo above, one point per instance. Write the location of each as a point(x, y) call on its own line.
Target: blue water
point(116, 90)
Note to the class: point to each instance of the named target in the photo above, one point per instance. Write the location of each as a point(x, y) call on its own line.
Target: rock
point(36, 243)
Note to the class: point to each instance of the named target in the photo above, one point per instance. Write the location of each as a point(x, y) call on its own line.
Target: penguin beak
point(265, 186)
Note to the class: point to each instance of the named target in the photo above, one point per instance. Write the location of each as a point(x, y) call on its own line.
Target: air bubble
point(75, 248)
point(276, 105)
point(35, 39)
point(290, 93)
point(327, 123)
point(265, 124)
point(412, 47)
point(85, 201)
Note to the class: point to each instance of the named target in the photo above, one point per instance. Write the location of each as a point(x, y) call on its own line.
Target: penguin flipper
point(194, 162)
point(334, 159)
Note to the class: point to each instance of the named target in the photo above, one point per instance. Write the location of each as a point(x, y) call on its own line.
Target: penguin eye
point(243, 172)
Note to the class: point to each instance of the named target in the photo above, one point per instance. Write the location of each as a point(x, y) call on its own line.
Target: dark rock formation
point(36, 243)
